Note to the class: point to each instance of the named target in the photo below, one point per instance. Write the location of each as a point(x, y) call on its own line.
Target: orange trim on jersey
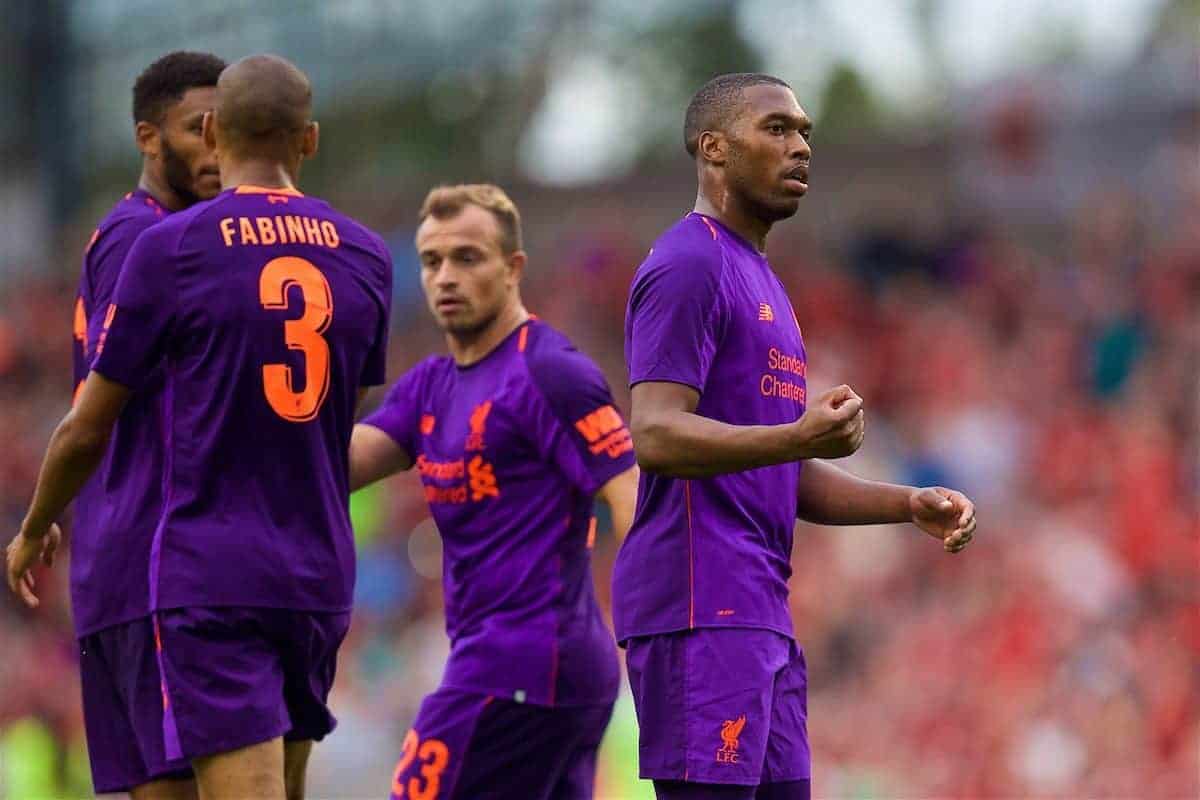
point(591, 537)
point(710, 227)
point(524, 338)
point(687, 498)
point(247, 188)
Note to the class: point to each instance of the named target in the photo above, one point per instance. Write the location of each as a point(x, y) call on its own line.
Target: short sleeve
point(674, 319)
point(399, 414)
point(374, 370)
point(577, 425)
point(138, 322)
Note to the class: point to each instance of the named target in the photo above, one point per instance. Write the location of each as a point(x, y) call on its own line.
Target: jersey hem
point(244, 604)
point(623, 639)
point(98, 627)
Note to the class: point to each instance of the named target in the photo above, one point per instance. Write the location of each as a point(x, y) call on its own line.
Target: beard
point(178, 175)
point(768, 206)
point(470, 329)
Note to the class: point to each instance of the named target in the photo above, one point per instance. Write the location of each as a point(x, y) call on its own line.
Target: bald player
point(268, 311)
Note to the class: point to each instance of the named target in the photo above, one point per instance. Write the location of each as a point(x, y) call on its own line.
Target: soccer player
point(268, 311)
point(731, 454)
point(117, 510)
point(513, 434)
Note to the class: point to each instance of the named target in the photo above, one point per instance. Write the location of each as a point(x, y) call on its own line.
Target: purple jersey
point(707, 311)
point(268, 310)
point(510, 451)
point(117, 509)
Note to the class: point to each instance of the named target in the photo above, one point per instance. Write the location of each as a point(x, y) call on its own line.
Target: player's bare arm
point(373, 456)
point(671, 439)
point(620, 494)
point(829, 495)
point(75, 450)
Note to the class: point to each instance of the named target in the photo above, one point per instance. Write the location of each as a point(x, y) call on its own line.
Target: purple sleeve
point(674, 321)
point(138, 322)
point(575, 421)
point(375, 369)
point(398, 414)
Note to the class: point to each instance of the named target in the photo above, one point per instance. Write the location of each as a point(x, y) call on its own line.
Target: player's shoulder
point(691, 246)
point(555, 365)
point(167, 232)
point(353, 230)
point(132, 214)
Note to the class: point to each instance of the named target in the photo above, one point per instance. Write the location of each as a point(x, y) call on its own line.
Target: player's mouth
point(450, 305)
point(797, 178)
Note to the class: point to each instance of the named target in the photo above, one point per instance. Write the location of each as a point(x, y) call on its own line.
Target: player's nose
point(800, 149)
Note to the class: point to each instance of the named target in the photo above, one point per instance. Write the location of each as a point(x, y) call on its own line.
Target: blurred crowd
point(1054, 377)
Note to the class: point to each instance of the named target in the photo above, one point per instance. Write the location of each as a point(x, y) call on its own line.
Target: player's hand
point(944, 514)
point(22, 554)
point(833, 426)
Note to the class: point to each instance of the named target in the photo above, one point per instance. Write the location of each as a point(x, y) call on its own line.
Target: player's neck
point(472, 348)
point(727, 211)
point(267, 173)
point(153, 183)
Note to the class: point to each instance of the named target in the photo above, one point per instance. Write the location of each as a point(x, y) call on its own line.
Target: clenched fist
point(832, 427)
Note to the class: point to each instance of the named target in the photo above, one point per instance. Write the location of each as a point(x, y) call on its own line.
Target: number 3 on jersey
point(302, 334)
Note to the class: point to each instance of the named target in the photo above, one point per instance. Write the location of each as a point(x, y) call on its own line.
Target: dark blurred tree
point(849, 109)
point(1178, 22)
point(675, 57)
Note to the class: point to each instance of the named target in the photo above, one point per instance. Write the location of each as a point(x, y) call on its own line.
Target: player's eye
point(776, 128)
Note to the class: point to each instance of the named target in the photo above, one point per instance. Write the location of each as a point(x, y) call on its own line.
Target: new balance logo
point(730, 731)
point(765, 314)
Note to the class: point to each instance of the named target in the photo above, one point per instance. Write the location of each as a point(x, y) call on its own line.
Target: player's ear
point(516, 266)
point(312, 134)
point(208, 130)
point(148, 139)
point(713, 147)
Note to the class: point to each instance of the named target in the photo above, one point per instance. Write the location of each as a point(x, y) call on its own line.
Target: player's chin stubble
point(468, 328)
point(178, 175)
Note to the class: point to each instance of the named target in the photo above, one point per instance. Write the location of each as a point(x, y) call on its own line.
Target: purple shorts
point(468, 745)
point(122, 708)
point(721, 705)
point(237, 676)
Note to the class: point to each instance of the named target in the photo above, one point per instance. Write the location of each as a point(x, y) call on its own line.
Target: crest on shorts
point(730, 731)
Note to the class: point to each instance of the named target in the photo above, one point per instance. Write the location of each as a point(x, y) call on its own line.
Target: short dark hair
point(165, 81)
point(447, 202)
point(716, 103)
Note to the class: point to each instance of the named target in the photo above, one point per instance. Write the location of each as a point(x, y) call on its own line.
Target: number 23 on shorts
point(433, 757)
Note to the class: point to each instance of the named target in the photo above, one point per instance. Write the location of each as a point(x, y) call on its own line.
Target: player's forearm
point(74, 452)
point(620, 494)
point(680, 444)
point(373, 456)
point(828, 495)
